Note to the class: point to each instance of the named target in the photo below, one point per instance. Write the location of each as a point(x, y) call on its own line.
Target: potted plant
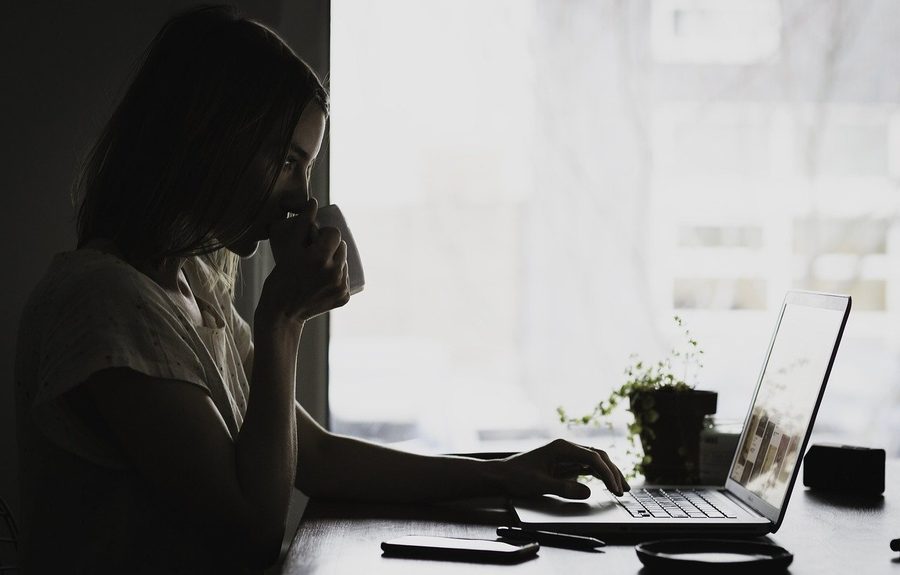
point(669, 414)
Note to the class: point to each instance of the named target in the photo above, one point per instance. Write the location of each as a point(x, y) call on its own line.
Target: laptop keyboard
point(676, 503)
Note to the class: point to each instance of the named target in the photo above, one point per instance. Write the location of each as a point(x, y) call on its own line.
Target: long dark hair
point(172, 174)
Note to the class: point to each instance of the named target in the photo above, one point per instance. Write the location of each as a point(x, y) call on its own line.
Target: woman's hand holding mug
point(310, 275)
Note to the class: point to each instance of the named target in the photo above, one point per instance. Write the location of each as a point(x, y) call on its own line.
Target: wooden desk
point(825, 534)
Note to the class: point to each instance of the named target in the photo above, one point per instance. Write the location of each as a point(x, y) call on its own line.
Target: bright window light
point(537, 187)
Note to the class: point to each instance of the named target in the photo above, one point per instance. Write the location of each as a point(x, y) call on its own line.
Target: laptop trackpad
point(553, 509)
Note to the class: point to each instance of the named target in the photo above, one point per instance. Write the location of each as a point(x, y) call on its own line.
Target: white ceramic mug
point(331, 217)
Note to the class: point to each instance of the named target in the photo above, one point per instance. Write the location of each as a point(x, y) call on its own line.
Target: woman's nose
point(302, 193)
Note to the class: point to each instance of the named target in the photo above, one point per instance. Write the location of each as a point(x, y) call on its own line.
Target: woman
point(155, 432)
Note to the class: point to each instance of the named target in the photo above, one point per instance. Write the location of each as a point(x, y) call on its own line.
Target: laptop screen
point(786, 399)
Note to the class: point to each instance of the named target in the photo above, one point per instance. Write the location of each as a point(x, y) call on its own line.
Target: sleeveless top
point(85, 509)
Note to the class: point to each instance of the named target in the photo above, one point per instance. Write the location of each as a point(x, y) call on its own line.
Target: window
point(537, 187)
point(715, 31)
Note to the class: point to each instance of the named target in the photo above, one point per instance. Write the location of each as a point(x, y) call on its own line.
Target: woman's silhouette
point(156, 433)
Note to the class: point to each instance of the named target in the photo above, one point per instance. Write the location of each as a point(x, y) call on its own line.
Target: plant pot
point(670, 424)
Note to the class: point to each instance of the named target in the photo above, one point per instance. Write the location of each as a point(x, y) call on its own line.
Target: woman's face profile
point(292, 185)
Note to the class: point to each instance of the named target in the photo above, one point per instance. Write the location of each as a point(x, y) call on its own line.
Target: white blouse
point(84, 507)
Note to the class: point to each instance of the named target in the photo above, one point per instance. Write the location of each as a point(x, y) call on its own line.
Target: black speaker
point(845, 468)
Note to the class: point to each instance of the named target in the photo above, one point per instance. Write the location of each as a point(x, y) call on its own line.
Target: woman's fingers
point(311, 275)
point(555, 467)
point(567, 489)
point(590, 458)
point(345, 277)
point(570, 470)
point(329, 240)
point(612, 466)
point(297, 230)
point(340, 254)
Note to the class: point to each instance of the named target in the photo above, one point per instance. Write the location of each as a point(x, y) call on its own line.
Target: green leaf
point(641, 377)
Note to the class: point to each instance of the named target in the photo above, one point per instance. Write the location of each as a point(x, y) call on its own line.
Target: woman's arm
point(337, 467)
point(174, 435)
point(266, 447)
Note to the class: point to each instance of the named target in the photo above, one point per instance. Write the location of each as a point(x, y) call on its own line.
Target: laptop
point(776, 430)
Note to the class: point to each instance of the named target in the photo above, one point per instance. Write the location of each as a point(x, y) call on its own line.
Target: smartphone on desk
point(458, 549)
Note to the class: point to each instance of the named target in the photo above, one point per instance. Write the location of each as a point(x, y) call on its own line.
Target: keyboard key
point(659, 503)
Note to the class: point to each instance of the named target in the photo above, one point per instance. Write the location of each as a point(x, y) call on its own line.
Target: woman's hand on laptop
point(555, 468)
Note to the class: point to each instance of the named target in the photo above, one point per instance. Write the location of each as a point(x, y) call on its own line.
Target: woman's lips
point(268, 227)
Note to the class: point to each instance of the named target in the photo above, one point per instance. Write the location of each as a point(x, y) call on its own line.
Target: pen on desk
point(550, 539)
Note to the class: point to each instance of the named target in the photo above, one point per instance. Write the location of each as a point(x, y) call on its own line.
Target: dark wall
point(63, 68)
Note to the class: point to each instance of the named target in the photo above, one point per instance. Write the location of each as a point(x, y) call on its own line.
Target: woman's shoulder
point(79, 281)
point(88, 272)
point(80, 289)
